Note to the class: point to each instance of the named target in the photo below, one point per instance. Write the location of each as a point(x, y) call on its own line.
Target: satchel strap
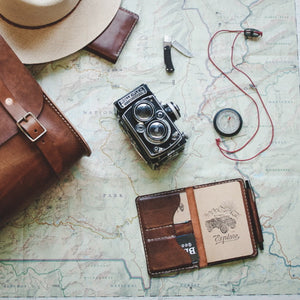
point(31, 127)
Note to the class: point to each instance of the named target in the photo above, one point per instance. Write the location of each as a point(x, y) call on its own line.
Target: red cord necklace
point(249, 33)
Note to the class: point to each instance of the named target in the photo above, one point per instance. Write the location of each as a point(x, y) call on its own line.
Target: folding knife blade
point(181, 49)
point(167, 54)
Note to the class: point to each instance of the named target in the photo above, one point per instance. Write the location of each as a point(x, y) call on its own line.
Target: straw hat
point(45, 30)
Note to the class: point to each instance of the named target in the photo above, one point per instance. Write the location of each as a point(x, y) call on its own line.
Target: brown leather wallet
point(199, 226)
point(112, 41)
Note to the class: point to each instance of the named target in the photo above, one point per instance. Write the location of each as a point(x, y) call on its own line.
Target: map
point(81, 238)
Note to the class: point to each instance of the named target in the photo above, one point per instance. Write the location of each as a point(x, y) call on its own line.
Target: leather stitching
point(65, 121)
point(129, 32)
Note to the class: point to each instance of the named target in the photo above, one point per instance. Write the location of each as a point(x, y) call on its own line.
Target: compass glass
point(228, 122)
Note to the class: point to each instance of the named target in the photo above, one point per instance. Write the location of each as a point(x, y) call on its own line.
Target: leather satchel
point(37, 142)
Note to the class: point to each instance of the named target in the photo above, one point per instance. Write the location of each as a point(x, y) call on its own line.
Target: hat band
point(39, 26)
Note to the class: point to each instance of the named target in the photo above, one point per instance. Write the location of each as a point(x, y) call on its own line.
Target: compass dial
point(228, 122)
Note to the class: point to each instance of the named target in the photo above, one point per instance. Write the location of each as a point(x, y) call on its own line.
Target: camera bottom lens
point(158, 131)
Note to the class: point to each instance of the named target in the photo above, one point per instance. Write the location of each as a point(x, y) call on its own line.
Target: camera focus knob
point(175, 135)
point(172, 111)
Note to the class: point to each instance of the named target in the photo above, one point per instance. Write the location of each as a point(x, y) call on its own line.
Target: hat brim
point(82, 26)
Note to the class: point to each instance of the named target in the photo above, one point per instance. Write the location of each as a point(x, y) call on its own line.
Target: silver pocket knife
point(168, 43)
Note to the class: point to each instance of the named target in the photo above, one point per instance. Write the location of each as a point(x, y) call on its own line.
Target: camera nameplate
point(132, 96)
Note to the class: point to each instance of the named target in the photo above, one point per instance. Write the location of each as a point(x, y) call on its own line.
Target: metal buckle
point(25, 119)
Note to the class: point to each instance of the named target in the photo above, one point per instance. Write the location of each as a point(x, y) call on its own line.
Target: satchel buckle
point(30, 122)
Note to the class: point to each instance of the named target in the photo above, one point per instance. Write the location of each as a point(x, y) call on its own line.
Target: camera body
point(150, 125)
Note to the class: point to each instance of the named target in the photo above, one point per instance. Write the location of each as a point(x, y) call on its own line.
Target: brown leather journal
point(112, 41)
point(199, 226)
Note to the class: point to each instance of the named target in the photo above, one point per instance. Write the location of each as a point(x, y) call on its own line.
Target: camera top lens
point(143, 111)
point(172, 110)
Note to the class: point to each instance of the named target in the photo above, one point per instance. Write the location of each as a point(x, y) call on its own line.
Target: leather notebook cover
point(198, 226)
point(111, 42)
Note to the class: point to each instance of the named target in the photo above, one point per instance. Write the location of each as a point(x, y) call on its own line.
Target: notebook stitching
point(157, 228)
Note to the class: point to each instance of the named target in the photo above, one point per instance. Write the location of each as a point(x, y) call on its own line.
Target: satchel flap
point(22, 86)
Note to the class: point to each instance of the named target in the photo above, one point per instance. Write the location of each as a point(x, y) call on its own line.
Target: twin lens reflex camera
point(150, 125)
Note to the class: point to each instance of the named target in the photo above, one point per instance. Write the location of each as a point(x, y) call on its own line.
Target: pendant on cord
point(228, 122)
